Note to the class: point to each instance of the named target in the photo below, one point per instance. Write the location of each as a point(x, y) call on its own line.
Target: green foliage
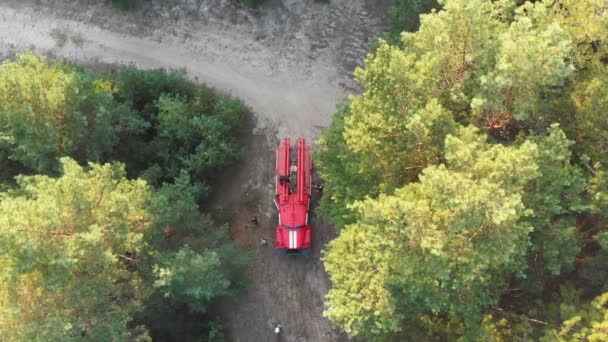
point(192, 129)
point(359, 300)
point(175, 202)
point(587, 28)
point(49, 112)
point(191, 278)
point(438, 242)
point(69, 249)
point(85, 250)
point(251, 3)
point(92, 254)
point(178, 222)
point(142, 88)
point(339, 166)
point(566, 318)
point(191, 141)
point(552, 197)
point(124, 4)
point(157, 122)
point(589, 323)
point(439, 223)
point(188, 141)
point(231, 112)
point(404, 15)
point(195, 264)
point(216, 331)
point(531, 64)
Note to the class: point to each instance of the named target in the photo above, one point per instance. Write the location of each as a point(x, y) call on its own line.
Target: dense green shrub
point(166, 260)
point(404, 15)
point(191, 128)
point(155, 121)
point(47, 112)
point(140, 88)
point(124, 4)
point(251, 3)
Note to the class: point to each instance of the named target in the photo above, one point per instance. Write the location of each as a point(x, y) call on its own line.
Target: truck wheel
point(306, 251)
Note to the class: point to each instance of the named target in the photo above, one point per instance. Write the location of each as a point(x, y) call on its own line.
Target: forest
point(479, 147)
point(467, 183)
point(101, 236)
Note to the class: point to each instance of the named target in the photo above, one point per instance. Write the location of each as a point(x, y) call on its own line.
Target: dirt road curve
point(290, 61)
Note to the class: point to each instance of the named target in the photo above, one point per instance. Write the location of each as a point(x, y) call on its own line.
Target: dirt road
point(290, 61)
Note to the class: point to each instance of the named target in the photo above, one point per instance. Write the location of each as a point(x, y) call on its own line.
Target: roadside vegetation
point(468, 180)
point(101, 236)
point(404, 16)
point(124, 5)
point(251, 3)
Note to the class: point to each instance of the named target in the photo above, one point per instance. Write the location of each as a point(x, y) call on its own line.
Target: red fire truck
point(293, 190)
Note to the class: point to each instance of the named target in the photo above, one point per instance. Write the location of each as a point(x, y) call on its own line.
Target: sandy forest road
point(290, 61)
point(295, 105)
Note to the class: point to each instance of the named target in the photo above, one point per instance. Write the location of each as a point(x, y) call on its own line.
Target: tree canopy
point(111, 251)
point(47, 112)
point(69, 249)
point(468, 177)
